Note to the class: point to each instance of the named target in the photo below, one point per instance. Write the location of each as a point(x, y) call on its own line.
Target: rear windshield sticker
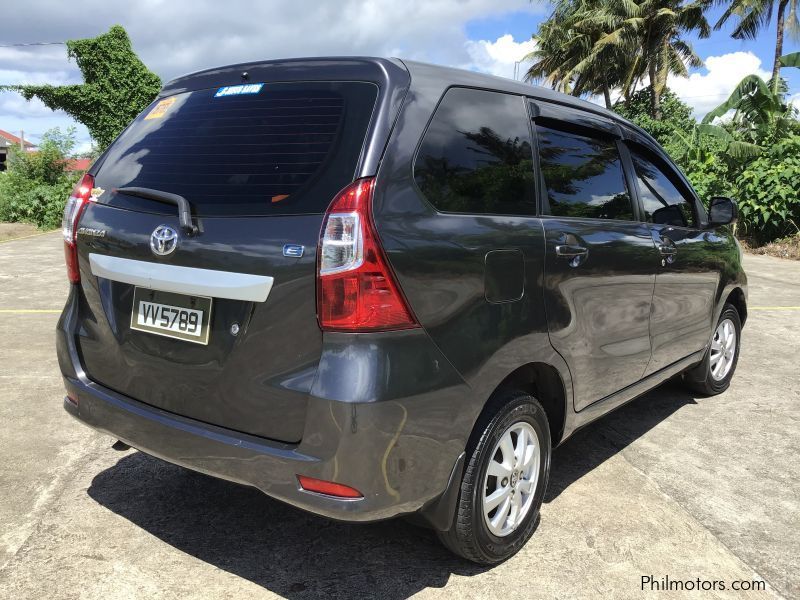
point(238, 90)
point(160, 109)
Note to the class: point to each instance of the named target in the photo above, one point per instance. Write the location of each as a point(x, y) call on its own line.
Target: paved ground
point(669, 486)
point(9, 231)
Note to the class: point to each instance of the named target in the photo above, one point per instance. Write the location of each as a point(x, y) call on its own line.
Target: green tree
point(564, 57)
point(46, 165)
point(755, 15)
point(676, 118)
point(618, 42)
point(117, 86)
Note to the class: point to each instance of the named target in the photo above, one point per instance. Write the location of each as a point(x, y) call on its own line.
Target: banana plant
point(791, 60)
point(760, 112)
point(695, 146)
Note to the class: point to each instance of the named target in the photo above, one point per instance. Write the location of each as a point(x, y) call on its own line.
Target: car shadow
point(281, 548)
point(299, 555)
point(599, 441)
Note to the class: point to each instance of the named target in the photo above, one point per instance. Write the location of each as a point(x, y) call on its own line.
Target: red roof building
point(78, 165)
point(7, 141)
point(13, 140)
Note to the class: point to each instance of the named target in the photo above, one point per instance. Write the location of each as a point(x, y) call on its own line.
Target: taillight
point(81, 194)
point(356, 290)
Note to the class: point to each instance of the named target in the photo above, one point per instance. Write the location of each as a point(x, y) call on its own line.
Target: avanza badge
point(238, 90)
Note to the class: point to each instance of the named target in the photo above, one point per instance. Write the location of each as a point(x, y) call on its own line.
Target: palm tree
point(587, 46)
point(754, 15)
point(565, 56)
point(657, 31)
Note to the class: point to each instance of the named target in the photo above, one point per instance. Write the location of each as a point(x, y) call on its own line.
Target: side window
point(476, 155)
point(583, 176)
point(663, 202)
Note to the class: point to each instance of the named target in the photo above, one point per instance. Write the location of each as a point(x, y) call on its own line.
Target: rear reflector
point(81, 194)
point(329, 488)
point(356, 289)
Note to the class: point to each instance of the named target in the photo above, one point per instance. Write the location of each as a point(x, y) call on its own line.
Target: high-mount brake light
point(81, 195)
point(356, 290)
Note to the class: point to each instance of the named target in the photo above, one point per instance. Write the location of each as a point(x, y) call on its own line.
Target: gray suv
point(373, 288)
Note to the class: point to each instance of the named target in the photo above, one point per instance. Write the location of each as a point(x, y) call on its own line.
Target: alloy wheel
point(511, 479)
point(723, 350)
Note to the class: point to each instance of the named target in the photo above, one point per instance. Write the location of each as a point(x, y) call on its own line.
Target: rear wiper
point(184, 208)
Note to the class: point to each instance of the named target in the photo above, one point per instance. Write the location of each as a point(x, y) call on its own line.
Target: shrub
point(36, 187)
point(769, 192)
point(710, 177)
point(42, 205)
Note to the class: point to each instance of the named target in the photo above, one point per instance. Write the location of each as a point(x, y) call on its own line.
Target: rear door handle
point(569, 251)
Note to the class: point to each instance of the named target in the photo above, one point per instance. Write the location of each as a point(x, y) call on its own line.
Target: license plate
point(171, 315)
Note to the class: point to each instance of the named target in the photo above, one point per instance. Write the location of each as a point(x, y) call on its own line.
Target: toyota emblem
point(163, 240)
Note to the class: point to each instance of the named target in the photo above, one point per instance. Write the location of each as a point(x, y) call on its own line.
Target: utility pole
point(22, 140)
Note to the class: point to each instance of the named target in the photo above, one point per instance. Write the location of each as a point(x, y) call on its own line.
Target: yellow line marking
point(25, 237)
point(773, 308)
point(29, 311)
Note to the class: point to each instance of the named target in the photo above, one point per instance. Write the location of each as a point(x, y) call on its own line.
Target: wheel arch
point(544, 382)
point(737, 298)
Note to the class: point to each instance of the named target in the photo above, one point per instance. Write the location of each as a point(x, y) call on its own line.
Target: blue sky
point(179, 36)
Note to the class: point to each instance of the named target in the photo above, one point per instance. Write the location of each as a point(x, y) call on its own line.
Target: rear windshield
point(256, 149)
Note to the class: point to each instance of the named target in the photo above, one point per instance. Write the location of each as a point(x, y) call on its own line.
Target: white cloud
point(181, 36)
point(498, 57)
point(83, 147)
point(708, 88)
point(795, 101)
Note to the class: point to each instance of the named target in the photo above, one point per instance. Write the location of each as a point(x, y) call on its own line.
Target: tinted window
point(286, 149)
point(476, 155)
point(583, 175)
point(662, 201)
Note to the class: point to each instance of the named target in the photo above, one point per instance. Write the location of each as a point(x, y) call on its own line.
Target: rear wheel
point(504, 481)
point(714, 374)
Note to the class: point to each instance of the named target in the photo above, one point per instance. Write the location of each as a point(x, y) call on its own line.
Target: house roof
point(78, 164)
point(13, 139)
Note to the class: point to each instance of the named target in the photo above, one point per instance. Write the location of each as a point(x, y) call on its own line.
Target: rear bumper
point(270, 467)
point(401, 453)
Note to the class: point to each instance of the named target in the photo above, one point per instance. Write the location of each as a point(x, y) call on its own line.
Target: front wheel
point(504, 481)
point(714, 374)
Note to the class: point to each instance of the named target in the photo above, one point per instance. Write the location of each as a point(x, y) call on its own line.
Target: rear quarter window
point(286, 149)
point(475, 156)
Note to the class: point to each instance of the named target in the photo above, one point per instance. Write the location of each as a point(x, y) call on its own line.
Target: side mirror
point(723, 211)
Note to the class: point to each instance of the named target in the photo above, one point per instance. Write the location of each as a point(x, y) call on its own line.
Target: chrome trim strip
point(182, 280)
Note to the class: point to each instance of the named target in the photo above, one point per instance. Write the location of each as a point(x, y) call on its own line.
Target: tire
point(706, 378)
point(470, 535)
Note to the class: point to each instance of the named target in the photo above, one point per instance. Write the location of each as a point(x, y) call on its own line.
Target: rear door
point(259, 164)
point(600, 259)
